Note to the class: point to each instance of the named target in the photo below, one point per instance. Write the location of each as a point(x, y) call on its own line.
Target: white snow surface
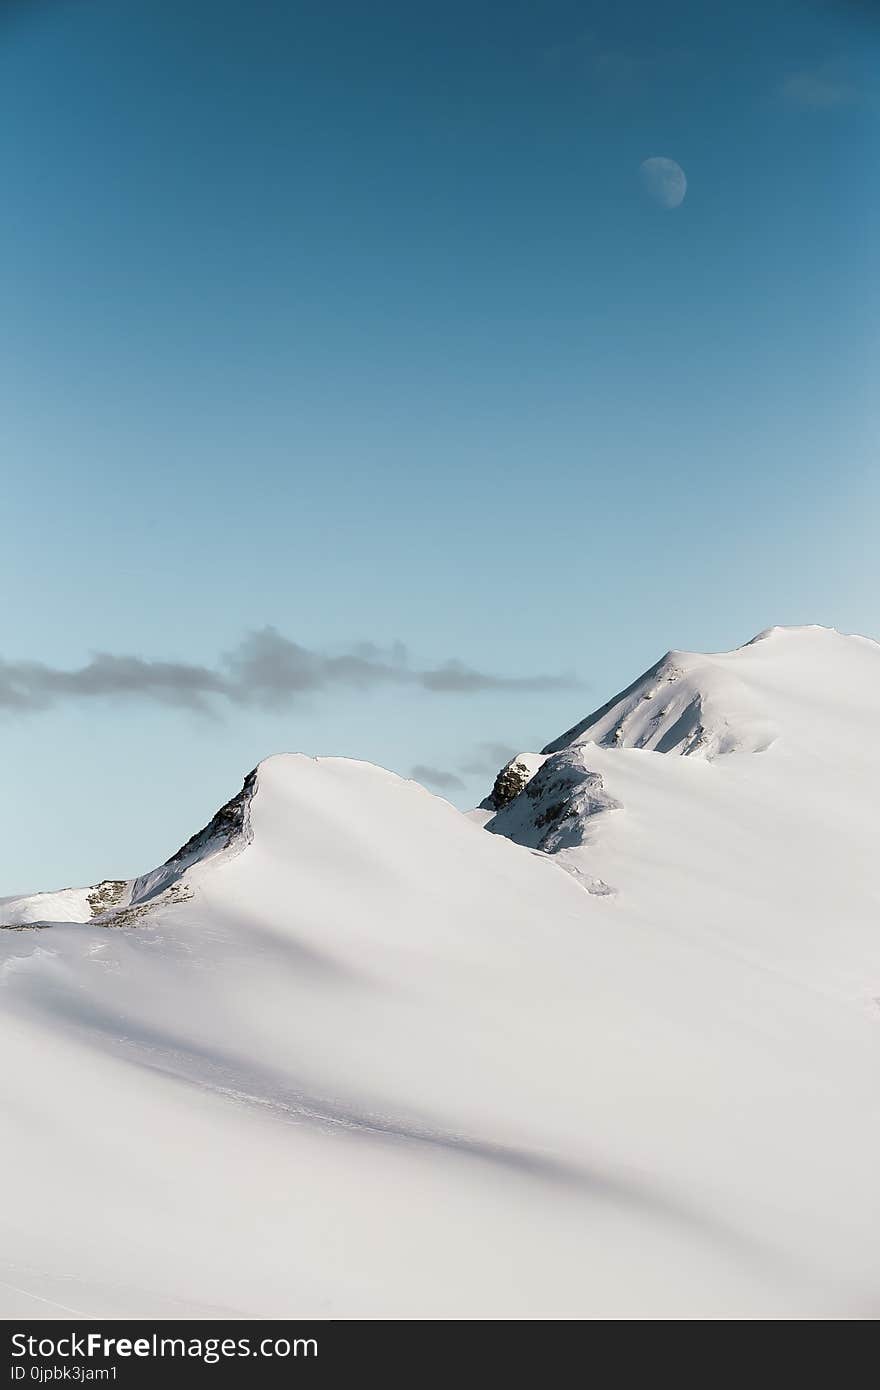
point(359, 1058)
point(67, 905)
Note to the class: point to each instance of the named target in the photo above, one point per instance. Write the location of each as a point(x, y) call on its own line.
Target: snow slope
point(765, 846)
point(687, 703)
point(350, 1055)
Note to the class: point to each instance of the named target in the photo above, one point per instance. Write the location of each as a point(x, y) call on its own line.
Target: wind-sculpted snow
point(685, 704)
point(739, 701)
point(360, 1058)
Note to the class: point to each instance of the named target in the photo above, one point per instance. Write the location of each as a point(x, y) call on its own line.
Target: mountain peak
point(685, 703)
point(713, 703)
point(802, 687)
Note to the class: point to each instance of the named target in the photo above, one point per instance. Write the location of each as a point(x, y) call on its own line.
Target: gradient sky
point(355, 321)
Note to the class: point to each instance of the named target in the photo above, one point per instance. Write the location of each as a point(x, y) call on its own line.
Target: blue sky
point(356, 322)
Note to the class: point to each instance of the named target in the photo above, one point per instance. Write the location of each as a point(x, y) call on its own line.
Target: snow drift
point(346, 1054)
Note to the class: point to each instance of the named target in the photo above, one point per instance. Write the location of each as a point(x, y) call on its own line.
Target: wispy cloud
point(818, 89)
point(436, 777)
point(266, 670)
point(455, 677)
point(611, 69)
point(28, 686)
point(487, 758)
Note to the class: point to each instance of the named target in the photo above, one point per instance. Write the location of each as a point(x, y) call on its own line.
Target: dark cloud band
point(266, 670)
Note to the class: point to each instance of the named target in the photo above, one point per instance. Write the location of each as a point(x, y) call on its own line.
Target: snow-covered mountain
point(805, 699)
point(117, 902)
point(346, 1054)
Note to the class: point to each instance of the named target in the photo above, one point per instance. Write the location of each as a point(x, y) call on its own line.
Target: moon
point(664, 181)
